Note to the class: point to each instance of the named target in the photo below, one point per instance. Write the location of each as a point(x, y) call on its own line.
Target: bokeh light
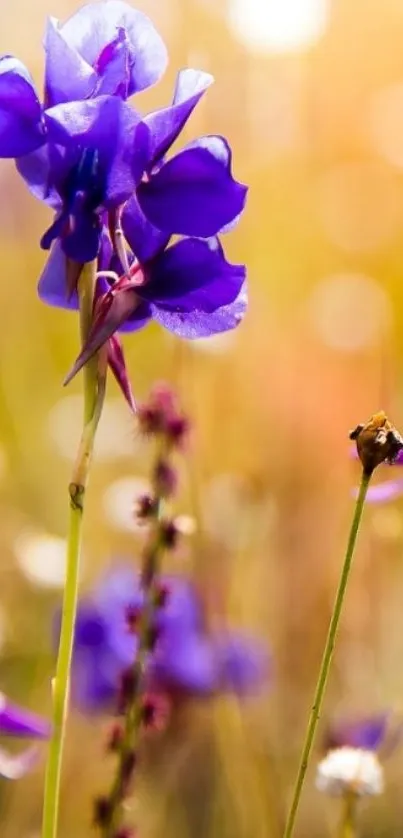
point(350, 312)
point(278, 25)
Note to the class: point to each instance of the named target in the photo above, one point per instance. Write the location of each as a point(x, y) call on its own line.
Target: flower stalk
point(160, 419)
point(347, 822)
point(134, 715)
point(327, 655)
point(94, 379)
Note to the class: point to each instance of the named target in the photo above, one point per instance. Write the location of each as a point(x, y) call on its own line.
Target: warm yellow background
point(318, 135)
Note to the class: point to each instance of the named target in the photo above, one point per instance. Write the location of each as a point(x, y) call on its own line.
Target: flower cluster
point(118, 196)
point(188, 661)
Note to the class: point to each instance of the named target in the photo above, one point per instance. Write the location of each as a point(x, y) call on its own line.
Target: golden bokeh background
point(310, 94)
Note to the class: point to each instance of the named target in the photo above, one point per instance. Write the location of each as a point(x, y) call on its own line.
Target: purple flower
point(83, 169)
point(20, 723)
point(367, 733)
point(66, 150)
point(187, 660)
point(387, 490)
point(103, 168)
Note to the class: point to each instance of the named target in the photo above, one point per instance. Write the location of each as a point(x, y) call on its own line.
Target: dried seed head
point(102, 811)
point(168, 533)
point(144, 508)
point(165, 479)
point(127, 767)
point(377, 442)
point(132, 616)
point(155, 712)
point(127, 689)
point(115, 738)
point(177, 431)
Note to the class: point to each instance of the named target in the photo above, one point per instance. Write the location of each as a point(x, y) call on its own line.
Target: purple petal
point(53, 283)
point(80, 240)
point(364, 733)
point(94, 27)
point(15, 766)
point(144, 239)
point(199, 324)
point(35, 168)
point(186, 664)
point(21, 128)
point(67, 75)
point(194, 193)
point(383, 492)
point(193, 275)
point(81, 244)
point(398, 461)
point(15, 721)
point(122, 153)
point(116, 361)
point(166, 124)
point(139, 318)
point(243, 664)
point(114, 65)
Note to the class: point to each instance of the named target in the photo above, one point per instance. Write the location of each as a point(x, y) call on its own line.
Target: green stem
point(94, 391)
point(347, 822)
point(327, 657)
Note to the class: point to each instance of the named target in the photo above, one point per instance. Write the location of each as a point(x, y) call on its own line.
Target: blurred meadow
point(310, 95)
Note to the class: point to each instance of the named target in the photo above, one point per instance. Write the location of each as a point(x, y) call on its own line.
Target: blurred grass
point(272, 411)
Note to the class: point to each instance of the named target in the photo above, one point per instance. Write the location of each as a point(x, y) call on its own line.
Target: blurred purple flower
point(367, 733)
point(187, 661)
point(17, 722)
point(386, 491)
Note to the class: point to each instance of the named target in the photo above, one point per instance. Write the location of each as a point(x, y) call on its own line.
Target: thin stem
point(347, 822)
point(133, 716)
point(94, 391)
point(327, 657)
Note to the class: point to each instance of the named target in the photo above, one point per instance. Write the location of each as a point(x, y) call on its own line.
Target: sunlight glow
point(278, 25)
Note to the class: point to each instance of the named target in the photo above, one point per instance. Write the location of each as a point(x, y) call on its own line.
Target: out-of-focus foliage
point(318, 135)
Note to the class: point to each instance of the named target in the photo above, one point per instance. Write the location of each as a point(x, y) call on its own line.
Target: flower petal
point(121, 154)
point(367, 733)
point(192, 275)
point(166, 124)
point(53, 283)
point(199, 324)
point(194, 193)
point(67, 75)
point(95, 26)
point(384, 492)
point(144, 239)
point(184, 663)
point(21, 129)
point(36, 170)
point(15, 766)
point(243, 663)
point(16, 721)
